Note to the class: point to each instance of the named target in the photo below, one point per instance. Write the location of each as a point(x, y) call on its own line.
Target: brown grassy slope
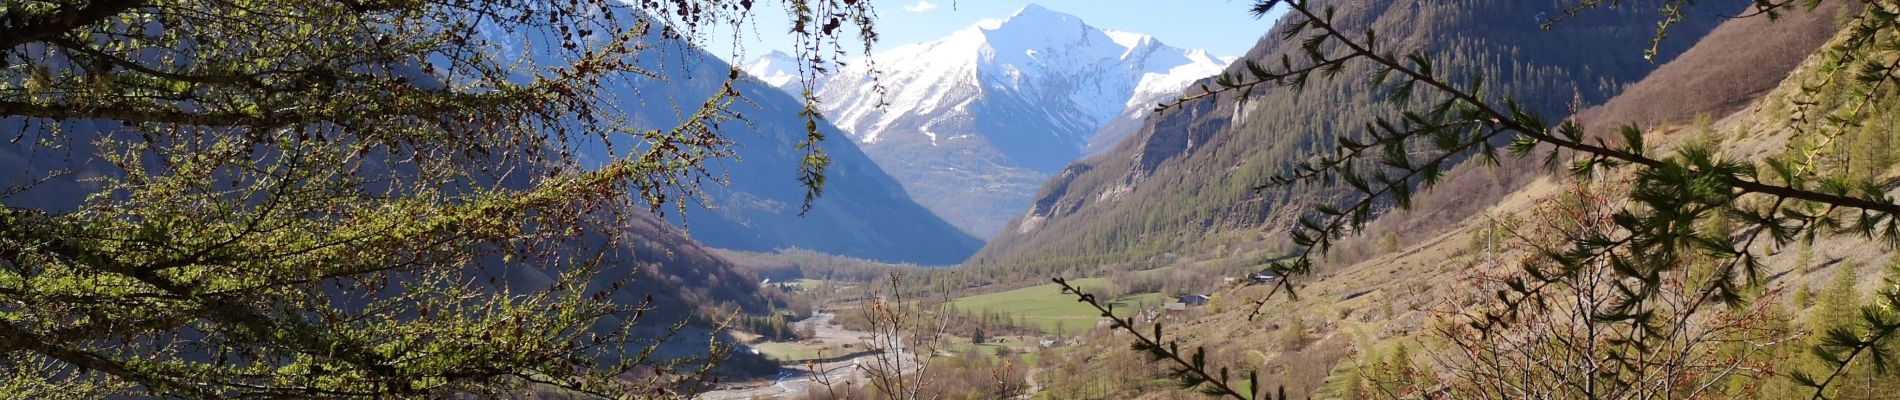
point(1732, 66)
point(1727, 70)
point(1390, 297)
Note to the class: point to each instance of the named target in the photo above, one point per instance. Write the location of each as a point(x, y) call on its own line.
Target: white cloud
point(921, 6)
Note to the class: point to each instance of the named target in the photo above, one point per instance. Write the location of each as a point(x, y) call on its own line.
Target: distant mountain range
point(777, 69)
point(862, 213)
point(973, 123)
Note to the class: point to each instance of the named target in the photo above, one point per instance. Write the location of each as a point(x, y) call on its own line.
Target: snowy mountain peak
point(1033, 8)
point(995, 107)
point(777, 69)
point(1034, 26)
point(1081, 75)
point(1036, 15)
point(1131, 39)
point(776, 55)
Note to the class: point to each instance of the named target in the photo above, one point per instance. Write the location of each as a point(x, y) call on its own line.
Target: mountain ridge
point(862, 212)
point(753, 199)
point(988, 112)
point(1185, 181)
point(777, 69)
point(1389, 293)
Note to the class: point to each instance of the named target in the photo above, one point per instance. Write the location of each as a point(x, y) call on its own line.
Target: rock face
point(972, 123)
point(1185, 179)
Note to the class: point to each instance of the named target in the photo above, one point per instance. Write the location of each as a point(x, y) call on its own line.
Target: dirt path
point(1032, 387)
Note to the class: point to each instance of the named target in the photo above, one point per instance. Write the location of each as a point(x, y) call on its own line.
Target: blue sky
point(1222, 27)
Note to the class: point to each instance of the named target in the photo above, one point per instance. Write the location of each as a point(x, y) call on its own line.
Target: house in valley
point(1265, 277)
point(1194, 300)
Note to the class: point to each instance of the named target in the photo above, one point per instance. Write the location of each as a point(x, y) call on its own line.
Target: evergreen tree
point(1840, 302)
point(1841, 309)
point(334, 199)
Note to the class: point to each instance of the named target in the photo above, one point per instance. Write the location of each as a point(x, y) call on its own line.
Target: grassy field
point(1048, 309)
point(795, 351)
point(1144, 300)
point(963, 345)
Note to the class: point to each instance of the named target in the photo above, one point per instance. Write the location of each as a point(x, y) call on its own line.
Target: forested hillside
point(1727, 70)
point(1406, 317)
point(1186, 181)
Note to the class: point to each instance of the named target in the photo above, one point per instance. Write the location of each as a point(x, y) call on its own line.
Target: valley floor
point(796, 379)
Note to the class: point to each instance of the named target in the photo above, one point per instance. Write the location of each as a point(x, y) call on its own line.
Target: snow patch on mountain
point(1080, 77)
point(1020, 97)
point(779, 70)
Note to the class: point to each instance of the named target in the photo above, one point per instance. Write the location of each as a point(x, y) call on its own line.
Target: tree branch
point(23, 29)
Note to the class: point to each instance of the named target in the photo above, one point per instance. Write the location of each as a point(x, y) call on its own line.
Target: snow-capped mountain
point(863, 212)
point(976, 121)
point(777, 69)
point(1153, 90)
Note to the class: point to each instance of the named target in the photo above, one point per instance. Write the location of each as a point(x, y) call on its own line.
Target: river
point(795, 381)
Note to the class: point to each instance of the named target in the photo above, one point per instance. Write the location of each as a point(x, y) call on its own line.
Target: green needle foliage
point(1671, 192)
point(316, 199)
point(1442, 117)
point(1190, 371)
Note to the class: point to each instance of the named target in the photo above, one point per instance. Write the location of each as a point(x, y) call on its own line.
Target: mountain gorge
point(972, 123)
